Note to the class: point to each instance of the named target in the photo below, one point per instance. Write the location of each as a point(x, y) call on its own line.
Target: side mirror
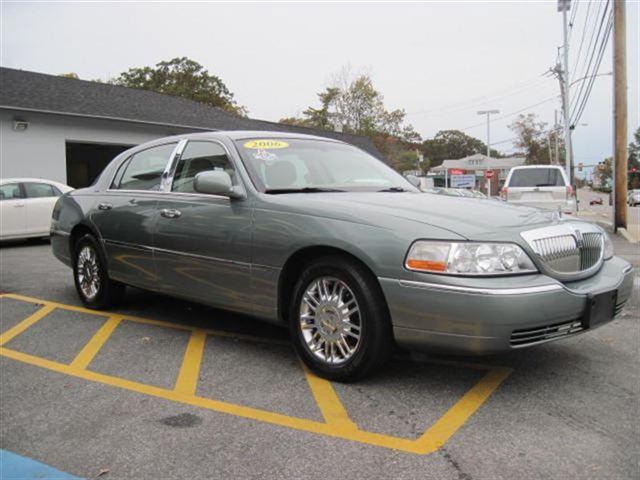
point(215, 182)
point(413, 180)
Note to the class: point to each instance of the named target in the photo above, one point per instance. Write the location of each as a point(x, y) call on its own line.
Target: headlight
point(465, 258)
point(608, 246)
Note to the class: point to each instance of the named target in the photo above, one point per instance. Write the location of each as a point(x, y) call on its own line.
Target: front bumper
point(479, 316)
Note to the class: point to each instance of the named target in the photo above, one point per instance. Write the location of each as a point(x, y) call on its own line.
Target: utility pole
point(619, 115)
point(563, 74)
point(555, 135)
point(488, 113)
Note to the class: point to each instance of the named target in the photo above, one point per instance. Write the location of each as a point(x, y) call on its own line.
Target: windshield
point(289, 165)
point(537, 177)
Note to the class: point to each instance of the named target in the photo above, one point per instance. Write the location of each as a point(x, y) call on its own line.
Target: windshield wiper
point(276, 191)
point(394, 189)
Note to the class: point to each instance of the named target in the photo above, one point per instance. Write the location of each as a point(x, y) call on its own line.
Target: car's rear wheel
point(95, 288)
point(338, 319)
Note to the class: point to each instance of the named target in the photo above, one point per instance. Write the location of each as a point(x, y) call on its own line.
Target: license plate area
point(600, 309)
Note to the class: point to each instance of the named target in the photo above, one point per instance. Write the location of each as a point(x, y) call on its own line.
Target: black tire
point(108, 292)
point(376, 337)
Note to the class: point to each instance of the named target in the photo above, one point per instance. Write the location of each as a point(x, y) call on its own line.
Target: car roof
point(521, 167)
point(28, 179)
point(244, 134)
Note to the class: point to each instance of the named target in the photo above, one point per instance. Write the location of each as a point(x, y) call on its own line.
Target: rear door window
point(144, 169)
point(41, 190)
point(537, 177)
point(10, 191)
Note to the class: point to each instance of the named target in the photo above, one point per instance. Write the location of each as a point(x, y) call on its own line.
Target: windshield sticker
point(265, 144)
point(265, 156)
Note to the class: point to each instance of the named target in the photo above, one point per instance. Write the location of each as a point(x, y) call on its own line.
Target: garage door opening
point(85, 161)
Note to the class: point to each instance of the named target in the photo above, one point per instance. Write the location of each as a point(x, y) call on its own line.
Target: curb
point(627, 236)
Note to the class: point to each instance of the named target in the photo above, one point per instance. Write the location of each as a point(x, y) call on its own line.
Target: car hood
point(471, 218)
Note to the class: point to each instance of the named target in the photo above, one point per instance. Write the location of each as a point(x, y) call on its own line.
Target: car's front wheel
point(339, 321)
point(95, 288)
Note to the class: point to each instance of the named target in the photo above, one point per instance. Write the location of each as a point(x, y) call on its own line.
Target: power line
point(578, 98)
point(584, 31)
point(591, 81)
point(573, 16)
point(511, 114)
point(471, 103)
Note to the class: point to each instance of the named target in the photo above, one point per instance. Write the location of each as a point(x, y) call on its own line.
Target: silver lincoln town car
point(320, 236)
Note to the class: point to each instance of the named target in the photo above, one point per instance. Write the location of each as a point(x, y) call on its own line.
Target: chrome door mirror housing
point(216, 182)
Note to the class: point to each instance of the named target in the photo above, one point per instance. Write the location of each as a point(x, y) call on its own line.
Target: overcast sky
point(440, 62)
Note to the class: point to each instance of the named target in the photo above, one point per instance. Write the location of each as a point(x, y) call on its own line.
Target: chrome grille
point(528, 336)
point(568, 250)
point(591, 250)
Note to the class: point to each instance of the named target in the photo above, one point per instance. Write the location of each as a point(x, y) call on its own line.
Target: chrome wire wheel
point(88, 272)
point(330, 320)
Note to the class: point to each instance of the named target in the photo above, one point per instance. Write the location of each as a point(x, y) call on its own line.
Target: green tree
point(451, 145)
point(532, 138)
point(182, 77)
point(352, 104)
point(604, 172)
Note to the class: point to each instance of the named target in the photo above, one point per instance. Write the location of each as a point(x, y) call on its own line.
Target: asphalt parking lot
point(161, 388)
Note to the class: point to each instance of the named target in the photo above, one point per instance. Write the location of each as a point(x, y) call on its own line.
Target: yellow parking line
point(438, 434)
point(26, 323)
point(328, 402)
point(337, 422)
point(147, 321)
point(219, 406)
point(187, 381)
point(91, 349)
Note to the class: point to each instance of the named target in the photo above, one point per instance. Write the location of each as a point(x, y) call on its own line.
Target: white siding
point(40, 150)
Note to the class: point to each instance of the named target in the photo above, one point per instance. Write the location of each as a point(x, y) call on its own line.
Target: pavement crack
point(456, 466)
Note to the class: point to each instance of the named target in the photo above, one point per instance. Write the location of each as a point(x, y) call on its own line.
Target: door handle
point(18, 205)
point(105, 206)
point(170, 213)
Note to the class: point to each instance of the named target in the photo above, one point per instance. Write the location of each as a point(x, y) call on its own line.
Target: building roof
point(30, 91)
point(480, 162)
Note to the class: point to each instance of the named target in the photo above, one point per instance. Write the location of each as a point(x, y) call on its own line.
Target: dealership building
point(68, 130)
point(471, 172)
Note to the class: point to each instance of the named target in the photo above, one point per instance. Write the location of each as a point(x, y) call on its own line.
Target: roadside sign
point(463, 181)
point(488, 174)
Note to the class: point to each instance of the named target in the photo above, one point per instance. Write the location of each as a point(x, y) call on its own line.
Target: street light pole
point(488, 113)
point(564, 6)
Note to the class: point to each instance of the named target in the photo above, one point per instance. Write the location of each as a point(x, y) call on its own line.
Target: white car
point(542, 186)
point(26, 205)
point(633, 198)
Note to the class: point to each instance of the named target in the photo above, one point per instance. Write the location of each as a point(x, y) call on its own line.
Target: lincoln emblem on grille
point(579, 240)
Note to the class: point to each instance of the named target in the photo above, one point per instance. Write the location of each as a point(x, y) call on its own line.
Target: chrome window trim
point(552, 287)
point(177, 156)
point(169, 160)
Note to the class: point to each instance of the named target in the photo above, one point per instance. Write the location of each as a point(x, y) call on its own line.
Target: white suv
point(542, 186)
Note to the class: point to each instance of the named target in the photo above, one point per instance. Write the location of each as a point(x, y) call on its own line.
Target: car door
point(124, 215)
point(202, 242)
point(40, 199)
point(13, 217)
